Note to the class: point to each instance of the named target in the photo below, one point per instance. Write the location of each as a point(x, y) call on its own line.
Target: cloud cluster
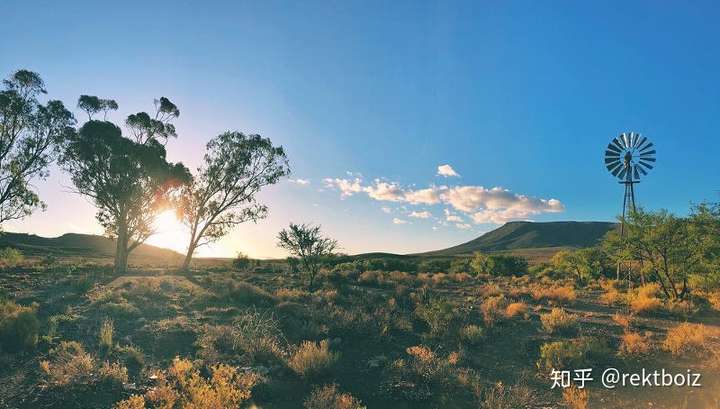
point(447, 171)
point(494, 205)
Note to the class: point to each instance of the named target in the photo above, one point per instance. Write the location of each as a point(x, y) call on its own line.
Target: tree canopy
point(128, 180)
point(307, 243)
point(30, 133)
point(222, 193)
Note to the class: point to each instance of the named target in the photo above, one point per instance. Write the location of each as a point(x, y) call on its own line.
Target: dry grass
point(68, 364)
point(562, 295)
point(558, 320)
point(489, 290)
point(517, 309)
point(472, 334)
point(646, 301)
point(493, 309)
point(688, 338)
point(329, 397)
point(113, 373)
point(106, 335)
point(575, 398)
point(313, 359)
point(622, 320)
point(133, 402)
point(634, 344)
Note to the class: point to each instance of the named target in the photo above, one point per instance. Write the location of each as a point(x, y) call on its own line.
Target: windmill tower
point(629, 157)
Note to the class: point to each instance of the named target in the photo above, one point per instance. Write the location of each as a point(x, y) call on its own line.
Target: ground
point(391, 340)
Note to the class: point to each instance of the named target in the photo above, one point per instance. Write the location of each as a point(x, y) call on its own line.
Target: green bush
point(10, 257)
point(576, 353)
point(19, 327)
point(503, 265)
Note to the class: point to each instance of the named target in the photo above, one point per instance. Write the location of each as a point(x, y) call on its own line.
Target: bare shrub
point(493, 309)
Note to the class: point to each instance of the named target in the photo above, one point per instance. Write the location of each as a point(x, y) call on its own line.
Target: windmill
point(629, 157)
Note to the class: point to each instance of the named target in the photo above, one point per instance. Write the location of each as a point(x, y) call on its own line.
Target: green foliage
point(576, 353)
point(222, 194)
point(505, 265)
point(10, 257)
point(583, 263)
point(433, 265)
point(19, 327)
point(30, 133)
point(241, 261)
point(439, 315)
point(669, 247)
point(92, 105)
point(307, 243)
point(481, 263)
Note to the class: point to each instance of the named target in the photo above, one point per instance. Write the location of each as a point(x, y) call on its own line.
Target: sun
point(170, 233)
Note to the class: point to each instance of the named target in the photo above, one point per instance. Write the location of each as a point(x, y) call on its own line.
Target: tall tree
point(222, 194)
point(30, 133)
point(307, 243)
point(129, 180)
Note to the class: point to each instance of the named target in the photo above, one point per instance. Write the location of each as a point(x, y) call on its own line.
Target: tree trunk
point(188, 258)
point(121, 250)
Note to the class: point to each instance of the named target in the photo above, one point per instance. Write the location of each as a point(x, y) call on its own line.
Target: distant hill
point(74, 244)
point(515, 236)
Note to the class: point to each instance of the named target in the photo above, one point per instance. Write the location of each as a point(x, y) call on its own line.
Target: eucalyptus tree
point(129, 179)
point(30, 133)
point(223, 192)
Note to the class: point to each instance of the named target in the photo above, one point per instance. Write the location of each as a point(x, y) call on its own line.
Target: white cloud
point(463, 226)
point(420, 215)
point(346, 187)
point(386, 210)
point(301, 182)
point(495, 205)
point(446, 171)
point(399, 221)
point(452, 217)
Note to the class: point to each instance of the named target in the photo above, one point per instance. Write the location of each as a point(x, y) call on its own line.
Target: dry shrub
point(291, 294)
point(489, 290)
point(609, 285)
point(439, 278)
point(622, 320)
point(106, 335)
point(114, 373)
point(69, 364)
point(313, 359)
point(634, 344)
point(460, 277)
point(574, 353)
point(19, 327)
point(401, 277)
point(688, 338)
point(133, 402)
point(714, 300)
point(575, 398)
point(558, 320)
point(611, 297)
point(182, 386)
point(683, 308)
point(372, 278)
point(517, 309)
point(646, 301)
point(472, 334)
point(501, 396)
point(493, 309)
point(242, 293)
point(564, 294)
point(519, 291)
point(329, 397)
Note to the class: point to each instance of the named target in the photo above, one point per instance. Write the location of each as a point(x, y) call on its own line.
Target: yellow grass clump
point(646, 301)
point(622, 320)
point(313, 359)
point(634, 344)
point(329, 397)
point(688, 338)
point(516, 309)
point(557, 320)
point(564, 294)
point(493, 309)
point(575, 398)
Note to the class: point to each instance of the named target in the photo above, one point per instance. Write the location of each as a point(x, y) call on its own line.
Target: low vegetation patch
point(313, 360)
point(558, 320)
point(330, 397)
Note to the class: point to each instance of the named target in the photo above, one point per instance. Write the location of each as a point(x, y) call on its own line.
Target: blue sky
point(517, 95)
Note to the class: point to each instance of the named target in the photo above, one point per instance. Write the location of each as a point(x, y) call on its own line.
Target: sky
point(409, 126)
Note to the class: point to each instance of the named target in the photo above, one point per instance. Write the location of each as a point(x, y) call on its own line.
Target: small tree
point(128, 180)
point(92, 105)
point(481, 263)
point(664, 246)
point(307, 243)
point(30, 132)
point(235, 168)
